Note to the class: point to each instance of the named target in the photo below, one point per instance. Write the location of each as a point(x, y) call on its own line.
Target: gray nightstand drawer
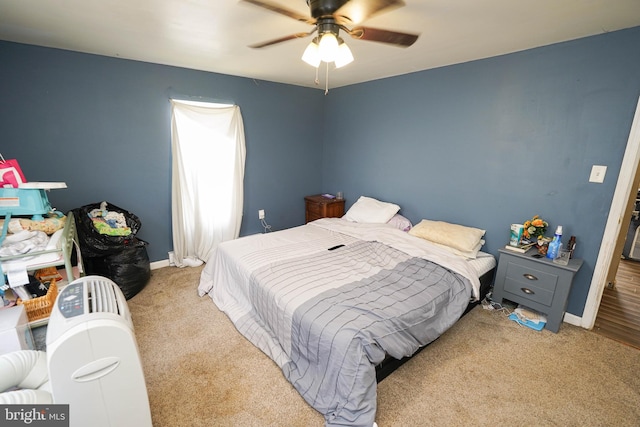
point(530, 283)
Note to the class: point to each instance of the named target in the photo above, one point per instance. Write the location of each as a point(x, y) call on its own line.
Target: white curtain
point(208, 150)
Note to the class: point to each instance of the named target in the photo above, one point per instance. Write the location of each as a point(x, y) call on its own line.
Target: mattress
point(483, 264)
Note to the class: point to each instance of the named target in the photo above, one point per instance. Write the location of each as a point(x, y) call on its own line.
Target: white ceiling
point(213, 35)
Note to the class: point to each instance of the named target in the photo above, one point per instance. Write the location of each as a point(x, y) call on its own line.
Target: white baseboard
point(166, 263)
point(159, 264)
point(572, 319)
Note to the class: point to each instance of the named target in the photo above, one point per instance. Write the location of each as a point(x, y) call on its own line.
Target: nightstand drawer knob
point(527, 291)
point(529, 276)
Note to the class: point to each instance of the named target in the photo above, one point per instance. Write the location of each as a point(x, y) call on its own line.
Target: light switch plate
point(597, 173)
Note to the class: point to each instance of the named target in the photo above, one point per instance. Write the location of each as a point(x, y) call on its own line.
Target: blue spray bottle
point(556, 244)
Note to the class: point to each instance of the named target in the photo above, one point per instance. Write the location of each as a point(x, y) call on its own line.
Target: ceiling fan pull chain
point(326, 80)
point(317, 80)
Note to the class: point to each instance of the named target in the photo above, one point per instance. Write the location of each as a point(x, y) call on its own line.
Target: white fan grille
point(103, 297)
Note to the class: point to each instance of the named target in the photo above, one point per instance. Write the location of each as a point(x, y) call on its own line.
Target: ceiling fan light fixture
point(343, 56)
point(328, 47)
point(311, 54)
point(329, 17)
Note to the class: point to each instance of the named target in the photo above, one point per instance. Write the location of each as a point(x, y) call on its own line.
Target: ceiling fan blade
point(356, 11)
point(384, 36)
point(282, 39)
point(281, 10)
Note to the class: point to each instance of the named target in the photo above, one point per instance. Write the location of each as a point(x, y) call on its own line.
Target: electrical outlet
point(172, 260)
point(261, 214)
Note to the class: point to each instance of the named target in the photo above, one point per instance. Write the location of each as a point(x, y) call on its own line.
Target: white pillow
point(369, 210)
point(460, 237)
point(400, 222)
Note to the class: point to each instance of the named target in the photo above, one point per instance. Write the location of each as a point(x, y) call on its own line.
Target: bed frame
point(390, 364)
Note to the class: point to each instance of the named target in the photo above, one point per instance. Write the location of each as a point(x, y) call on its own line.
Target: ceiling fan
point(329, 17)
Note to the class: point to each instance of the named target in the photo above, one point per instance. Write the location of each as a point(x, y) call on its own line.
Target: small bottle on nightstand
point(571, 245)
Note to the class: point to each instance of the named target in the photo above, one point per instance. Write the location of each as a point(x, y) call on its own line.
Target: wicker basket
point(40, 308)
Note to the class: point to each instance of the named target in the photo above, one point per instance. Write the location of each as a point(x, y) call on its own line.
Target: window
point(208, 156)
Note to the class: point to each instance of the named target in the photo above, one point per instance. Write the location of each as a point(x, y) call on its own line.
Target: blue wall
point(494, 142)
point(485, 143)
point(102, 125)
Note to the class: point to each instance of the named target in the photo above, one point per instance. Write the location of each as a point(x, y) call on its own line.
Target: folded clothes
point(529, 318)
point(19, 237)
point(49, 225)
point(24, 242)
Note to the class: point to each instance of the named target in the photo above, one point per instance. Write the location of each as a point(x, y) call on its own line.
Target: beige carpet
point(486, 370)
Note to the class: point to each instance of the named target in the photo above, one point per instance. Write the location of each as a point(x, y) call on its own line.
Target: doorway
point(618, 315)
point(610, 254)
point(619, 312)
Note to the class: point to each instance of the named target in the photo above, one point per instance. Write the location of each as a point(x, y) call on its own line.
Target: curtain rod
point(172, 95)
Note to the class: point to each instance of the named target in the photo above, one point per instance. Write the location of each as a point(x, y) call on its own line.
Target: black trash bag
point(94, 244)
point(130, 268)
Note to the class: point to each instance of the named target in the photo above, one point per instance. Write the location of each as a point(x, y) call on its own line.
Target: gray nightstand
point(536, 283)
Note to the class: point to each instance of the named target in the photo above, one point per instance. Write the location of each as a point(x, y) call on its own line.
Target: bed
point(335, 302)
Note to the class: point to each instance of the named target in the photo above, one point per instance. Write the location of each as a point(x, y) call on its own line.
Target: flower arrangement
point(535, 228)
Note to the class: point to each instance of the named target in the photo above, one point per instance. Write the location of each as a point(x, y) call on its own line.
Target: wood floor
point(619, 314)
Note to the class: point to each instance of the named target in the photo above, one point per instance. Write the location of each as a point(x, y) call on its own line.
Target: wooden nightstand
point(317, 207)
point(536, 283)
